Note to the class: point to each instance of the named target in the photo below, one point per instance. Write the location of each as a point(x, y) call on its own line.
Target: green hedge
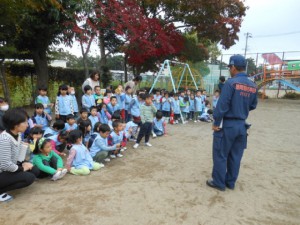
point(21, 81)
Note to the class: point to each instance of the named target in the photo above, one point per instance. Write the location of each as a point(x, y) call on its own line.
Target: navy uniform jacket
point(238, 97)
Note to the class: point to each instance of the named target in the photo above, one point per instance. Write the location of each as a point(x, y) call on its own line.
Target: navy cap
point(237, 60)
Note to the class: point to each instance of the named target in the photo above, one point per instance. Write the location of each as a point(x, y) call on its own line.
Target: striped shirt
point(9, 152)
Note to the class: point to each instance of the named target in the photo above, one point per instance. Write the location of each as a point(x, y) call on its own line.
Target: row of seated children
point(88, 150)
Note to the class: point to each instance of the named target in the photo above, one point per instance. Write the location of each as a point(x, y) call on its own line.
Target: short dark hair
point(147, 96)
point(87, 88)
point(13, 117)
point(93, 74)
point(93, 107)
point(96, 87)
point(138, 78)
point(43, 88)
point(113, 97)
point(70, 116)
point(116, 115)
point(128, 87)
point(104, 128)
point(207, 102)
point(217, 91)
point(59, 125)
point(222, 78)
point(39, 106)
point(2, 100)
point(159, 115)
point(39, 146)
point(74, 135)
point(96, 127)
point(142, 96)
point(83, 110)
point(35, 130)
point(116, 123)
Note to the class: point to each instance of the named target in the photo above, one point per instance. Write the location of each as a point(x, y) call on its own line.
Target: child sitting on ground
point(47, 161)
point(100, 149)
point(98, 96)
point(40, 118)
point(206, 115)
point(93, 117)
point(85, 127)
point(103, 114)
point(148, 111)
point(159, 125)
point(70, 124)
point(55, 129)
point(35, 133)
point(117, 136)
point(58, 142)
point(80, 161)
point(83, 116)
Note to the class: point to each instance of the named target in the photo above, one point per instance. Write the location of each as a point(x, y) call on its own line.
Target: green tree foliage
point(251, 67)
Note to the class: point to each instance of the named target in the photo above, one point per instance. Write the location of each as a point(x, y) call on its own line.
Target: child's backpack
point(91, 140)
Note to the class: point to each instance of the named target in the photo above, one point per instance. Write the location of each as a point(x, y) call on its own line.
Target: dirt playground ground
point(165, 184)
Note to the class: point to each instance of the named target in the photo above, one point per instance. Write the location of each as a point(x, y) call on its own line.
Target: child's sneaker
point(113, 156)
point(195, 121)
point(154, 135)
point(176, 121)
point(107, 160)
point(102, 165)
point(5, 197)
point(119, 155)
point(63, 173)
point(148, 144)
point(56, 176)
point(136, 145)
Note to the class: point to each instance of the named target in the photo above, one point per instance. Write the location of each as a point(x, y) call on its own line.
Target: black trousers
point(52, 163)
point(15, 180)
point(145, 130)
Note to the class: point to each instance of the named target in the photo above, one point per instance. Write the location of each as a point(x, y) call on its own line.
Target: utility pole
point(248, 35)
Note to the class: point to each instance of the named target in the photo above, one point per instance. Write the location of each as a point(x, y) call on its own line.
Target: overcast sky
point(277, 19)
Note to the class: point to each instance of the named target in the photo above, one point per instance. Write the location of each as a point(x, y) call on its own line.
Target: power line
point(276, 35)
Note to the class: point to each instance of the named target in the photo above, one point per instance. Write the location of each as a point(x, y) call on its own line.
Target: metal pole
point(221, 65)
point(248, 35)
point(157, 77)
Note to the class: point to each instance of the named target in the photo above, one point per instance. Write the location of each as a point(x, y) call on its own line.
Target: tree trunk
point(41, 67)
point(85, 55)
point(103, 60)
point(125, 68)
point(4, 82)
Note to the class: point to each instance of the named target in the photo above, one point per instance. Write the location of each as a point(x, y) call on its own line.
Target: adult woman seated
point(93, 81)
point(13, 174)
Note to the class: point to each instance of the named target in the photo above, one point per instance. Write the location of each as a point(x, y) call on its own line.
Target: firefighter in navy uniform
point(238, 97)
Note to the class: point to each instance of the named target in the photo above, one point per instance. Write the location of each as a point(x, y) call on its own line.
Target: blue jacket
point(75, 104)
point(94, 120)
point(45, 101)
point(156, 101)
point(64, 105)
point(176, 106)
point(121, 100)
point(166, 104)
point(87, 101)
point(111, 109)
point(135, 107)
point(41, 120)
point(198, 104)
point(128, 99)
point(100, 144)
point(192, 105)
point(238, 97)
point(82, 157)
